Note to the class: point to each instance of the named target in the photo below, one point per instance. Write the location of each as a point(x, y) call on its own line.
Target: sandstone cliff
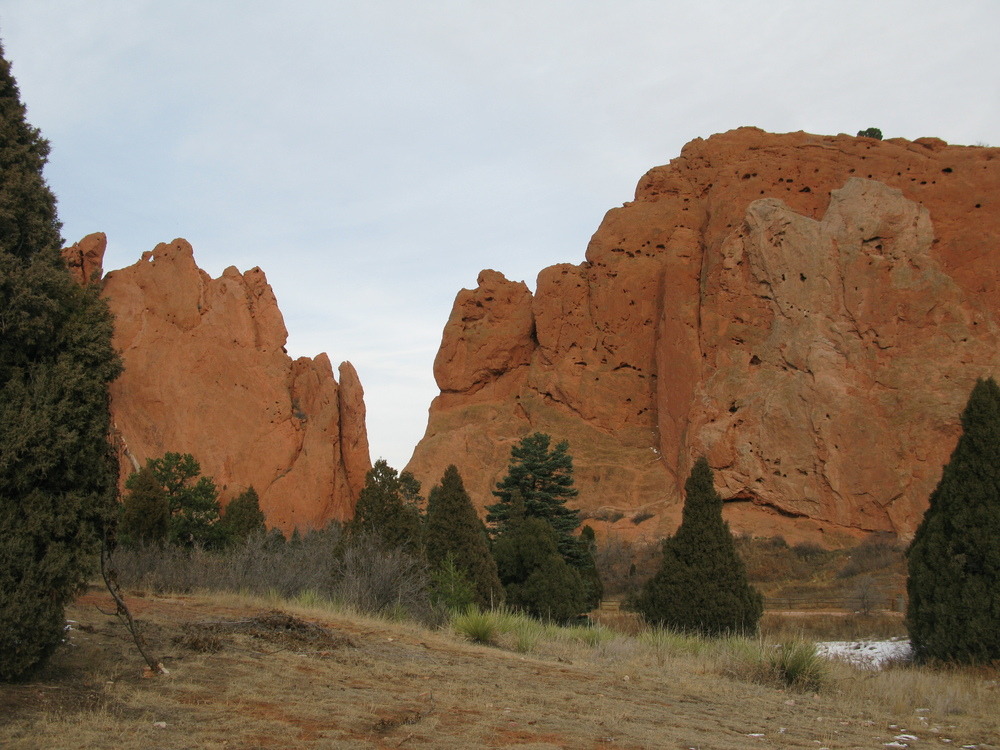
point(809, 312)
point(206, 373)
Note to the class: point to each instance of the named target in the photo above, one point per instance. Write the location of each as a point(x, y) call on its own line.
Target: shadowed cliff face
point(808, 312)
point(206, 373)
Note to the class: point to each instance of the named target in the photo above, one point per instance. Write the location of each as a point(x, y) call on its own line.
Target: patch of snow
point(865, 654)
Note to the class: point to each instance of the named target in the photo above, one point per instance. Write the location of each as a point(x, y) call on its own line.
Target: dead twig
point(122, 612)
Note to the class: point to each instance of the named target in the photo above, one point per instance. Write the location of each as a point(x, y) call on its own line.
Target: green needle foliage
point(389, 508)
point(192, 501)
point(243, 517)
point(538, 483)
point(57, 470)
point(954, 559)
point(701, 585)
point(534, 575)
point(145, 514)
point(454, 532)
point(28, 221)
point(543, 479)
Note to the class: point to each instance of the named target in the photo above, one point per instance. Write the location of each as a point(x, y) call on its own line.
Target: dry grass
point(245, 676)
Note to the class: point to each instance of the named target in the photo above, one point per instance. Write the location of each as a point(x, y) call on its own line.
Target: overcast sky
point(373, 156)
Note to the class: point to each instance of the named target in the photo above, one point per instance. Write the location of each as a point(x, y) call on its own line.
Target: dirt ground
point(242, 675)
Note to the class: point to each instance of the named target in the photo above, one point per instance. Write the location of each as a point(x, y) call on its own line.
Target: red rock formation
point(809, 312)
point(85, 258)
point(206, 373)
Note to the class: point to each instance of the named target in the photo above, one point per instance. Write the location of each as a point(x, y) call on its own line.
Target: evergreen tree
point(28, 222)
point(543, 480)
point(954, 559)
point(453, 531)
point(701, 585)
point(57, 471)
point(145, 514)
point(243, 517)
point(534, 575)
point(192, 500)
point(451, 587)
point(388, 508)
point(587, 567)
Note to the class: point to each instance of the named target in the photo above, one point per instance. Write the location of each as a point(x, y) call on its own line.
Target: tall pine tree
point(57, 470)
point(453, 531)
point(954, 559)
point(701, 585)
point(542, 481)
point(388, 508)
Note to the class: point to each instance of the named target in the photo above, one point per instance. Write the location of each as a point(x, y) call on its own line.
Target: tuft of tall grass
point(792, 664)
point(666, 643)
point(589, 635)
point(798, 666)
point(477, 626)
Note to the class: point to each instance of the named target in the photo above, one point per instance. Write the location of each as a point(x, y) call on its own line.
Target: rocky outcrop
point(808, 312)
point(206, 373)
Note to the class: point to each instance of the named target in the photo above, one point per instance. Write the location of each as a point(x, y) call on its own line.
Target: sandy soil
point(242, 677)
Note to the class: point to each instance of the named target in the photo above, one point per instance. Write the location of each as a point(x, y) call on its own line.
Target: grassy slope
point(377, 684)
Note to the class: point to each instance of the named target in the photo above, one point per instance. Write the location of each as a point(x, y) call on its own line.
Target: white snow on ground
point(867, 654)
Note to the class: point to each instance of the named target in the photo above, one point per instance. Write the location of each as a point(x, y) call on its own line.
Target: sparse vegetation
point(870, 133)
point(259, 671)
point(319, 566)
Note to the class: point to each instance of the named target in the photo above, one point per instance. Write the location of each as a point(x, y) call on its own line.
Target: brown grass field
point(244, 677)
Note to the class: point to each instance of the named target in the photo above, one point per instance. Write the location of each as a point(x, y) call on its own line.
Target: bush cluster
point(360, 572)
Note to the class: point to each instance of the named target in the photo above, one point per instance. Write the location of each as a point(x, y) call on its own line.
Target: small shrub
point(870, 133)
point(590, 635)
point(798, 666)
point(666, 643)
point(808, 551)
point(793, 664)
point(477, 626)
point(451, 587)
point(640, 517)
point(877, 552)
point(380, 580)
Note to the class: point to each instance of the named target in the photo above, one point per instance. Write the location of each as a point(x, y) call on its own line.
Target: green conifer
point(534, 575)
point(145, 515)
point(453, 531)
point(28, 221)
point(57, 470)
point(192, 500)
point(954, 559)
point(243, 517)
point(701, 585)
point(388, 508)
point(543, 480)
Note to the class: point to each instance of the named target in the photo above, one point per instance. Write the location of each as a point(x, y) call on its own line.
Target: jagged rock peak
point(809, 312)
point(206, 373)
